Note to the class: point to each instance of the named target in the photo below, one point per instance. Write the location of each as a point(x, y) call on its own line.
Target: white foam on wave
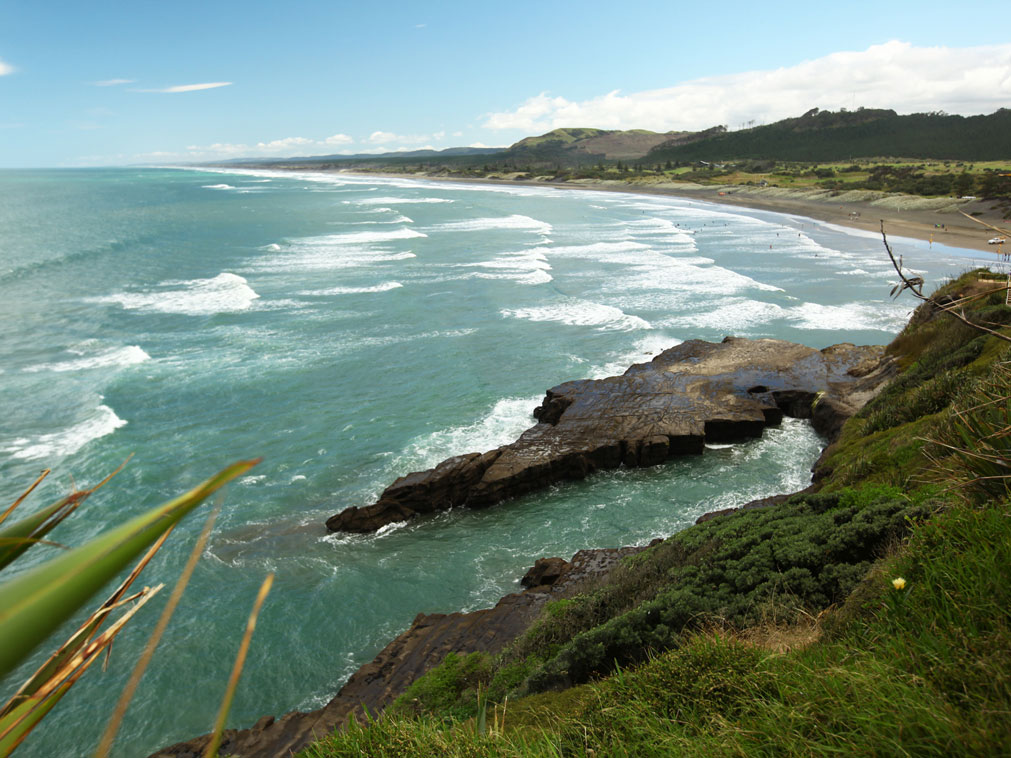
point(852, 316)
point(397, 200)
point(102, 421)
point(267, 174)
point(612, 251)
point(337, 251)
point(322, 258)
point(734, 316)
point(500, 425)
point(580, 313)
point(218, 186)
point(384, 287)
point(359, 238)
point(651, 268)
point(525, 266)
point(127, 355)
point(515, 221)
point(400, 218)
point(273, 247)
point(661, 227)
point(643, 350)
point(224, 293)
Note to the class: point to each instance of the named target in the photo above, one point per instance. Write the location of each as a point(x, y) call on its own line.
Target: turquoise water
point(349, 330)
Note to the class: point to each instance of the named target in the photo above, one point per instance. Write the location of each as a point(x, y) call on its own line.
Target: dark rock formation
point(545, 571)
point(377, 684)
point(688, 395)
point(763, 502)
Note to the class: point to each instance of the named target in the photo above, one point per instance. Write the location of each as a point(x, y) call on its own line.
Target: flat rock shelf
point(691, 394)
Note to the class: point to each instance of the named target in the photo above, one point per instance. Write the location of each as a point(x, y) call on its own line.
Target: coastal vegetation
point(923, 154)
point(866, 615)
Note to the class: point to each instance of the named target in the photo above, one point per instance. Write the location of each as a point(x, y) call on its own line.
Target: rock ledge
point(693, 393)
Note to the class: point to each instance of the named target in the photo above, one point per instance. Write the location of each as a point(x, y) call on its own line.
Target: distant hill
point(449, 152)
point(844, 135)
point(583, 145)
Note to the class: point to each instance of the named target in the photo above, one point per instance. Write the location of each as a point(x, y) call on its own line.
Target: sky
point(116, 83)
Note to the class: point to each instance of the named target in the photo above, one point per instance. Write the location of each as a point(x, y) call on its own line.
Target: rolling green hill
point(845, 135)
point(577, 146)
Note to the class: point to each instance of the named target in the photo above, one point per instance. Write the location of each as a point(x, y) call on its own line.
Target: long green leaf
point(25, 716)
point(211, 751)
point(85, 632)
point(36, 526)
point(16, 538)
point(26, 493)
point(35, 603)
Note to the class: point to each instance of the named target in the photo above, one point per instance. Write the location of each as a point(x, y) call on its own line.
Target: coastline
point(920, 218)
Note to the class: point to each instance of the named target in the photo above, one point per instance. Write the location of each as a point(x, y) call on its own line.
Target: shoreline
point(916, 220)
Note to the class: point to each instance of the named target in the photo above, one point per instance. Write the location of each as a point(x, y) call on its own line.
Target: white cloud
point(386, 138)
point(284, 144)
point(279, 148)
point(6, 68)
point(189, 87)
point(895, 74)
point(112, 82)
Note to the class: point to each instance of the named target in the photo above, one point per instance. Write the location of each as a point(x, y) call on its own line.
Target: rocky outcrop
point(688, 395)
point(429, 638)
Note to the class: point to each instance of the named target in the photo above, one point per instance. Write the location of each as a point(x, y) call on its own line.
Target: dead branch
point(915, 285)
point(988, 226)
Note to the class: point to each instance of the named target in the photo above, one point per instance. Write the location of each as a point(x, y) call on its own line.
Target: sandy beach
point(936, 219)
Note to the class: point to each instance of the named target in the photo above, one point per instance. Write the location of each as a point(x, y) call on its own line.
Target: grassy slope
point(778, 631)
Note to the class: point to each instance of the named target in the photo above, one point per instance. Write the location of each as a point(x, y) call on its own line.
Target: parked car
point(996, 241)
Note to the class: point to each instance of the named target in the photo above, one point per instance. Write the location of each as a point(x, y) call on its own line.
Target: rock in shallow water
point(693, 393)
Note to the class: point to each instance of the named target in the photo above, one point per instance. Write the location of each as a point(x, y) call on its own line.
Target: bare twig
point(988, 226)
point(915, 285)
point(26, 493)
point(211, 750)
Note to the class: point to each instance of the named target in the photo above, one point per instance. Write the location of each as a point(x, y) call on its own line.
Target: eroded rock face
point(688, 395)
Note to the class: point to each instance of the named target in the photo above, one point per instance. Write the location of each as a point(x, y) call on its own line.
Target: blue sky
point(103, 83)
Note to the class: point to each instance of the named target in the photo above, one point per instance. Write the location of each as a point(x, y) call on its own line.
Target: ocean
point(350, 329)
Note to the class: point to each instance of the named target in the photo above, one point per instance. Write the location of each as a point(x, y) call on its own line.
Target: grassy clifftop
point(871, 617)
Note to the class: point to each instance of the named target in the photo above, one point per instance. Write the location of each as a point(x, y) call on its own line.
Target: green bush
point(738, 570)
point(449, 689)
